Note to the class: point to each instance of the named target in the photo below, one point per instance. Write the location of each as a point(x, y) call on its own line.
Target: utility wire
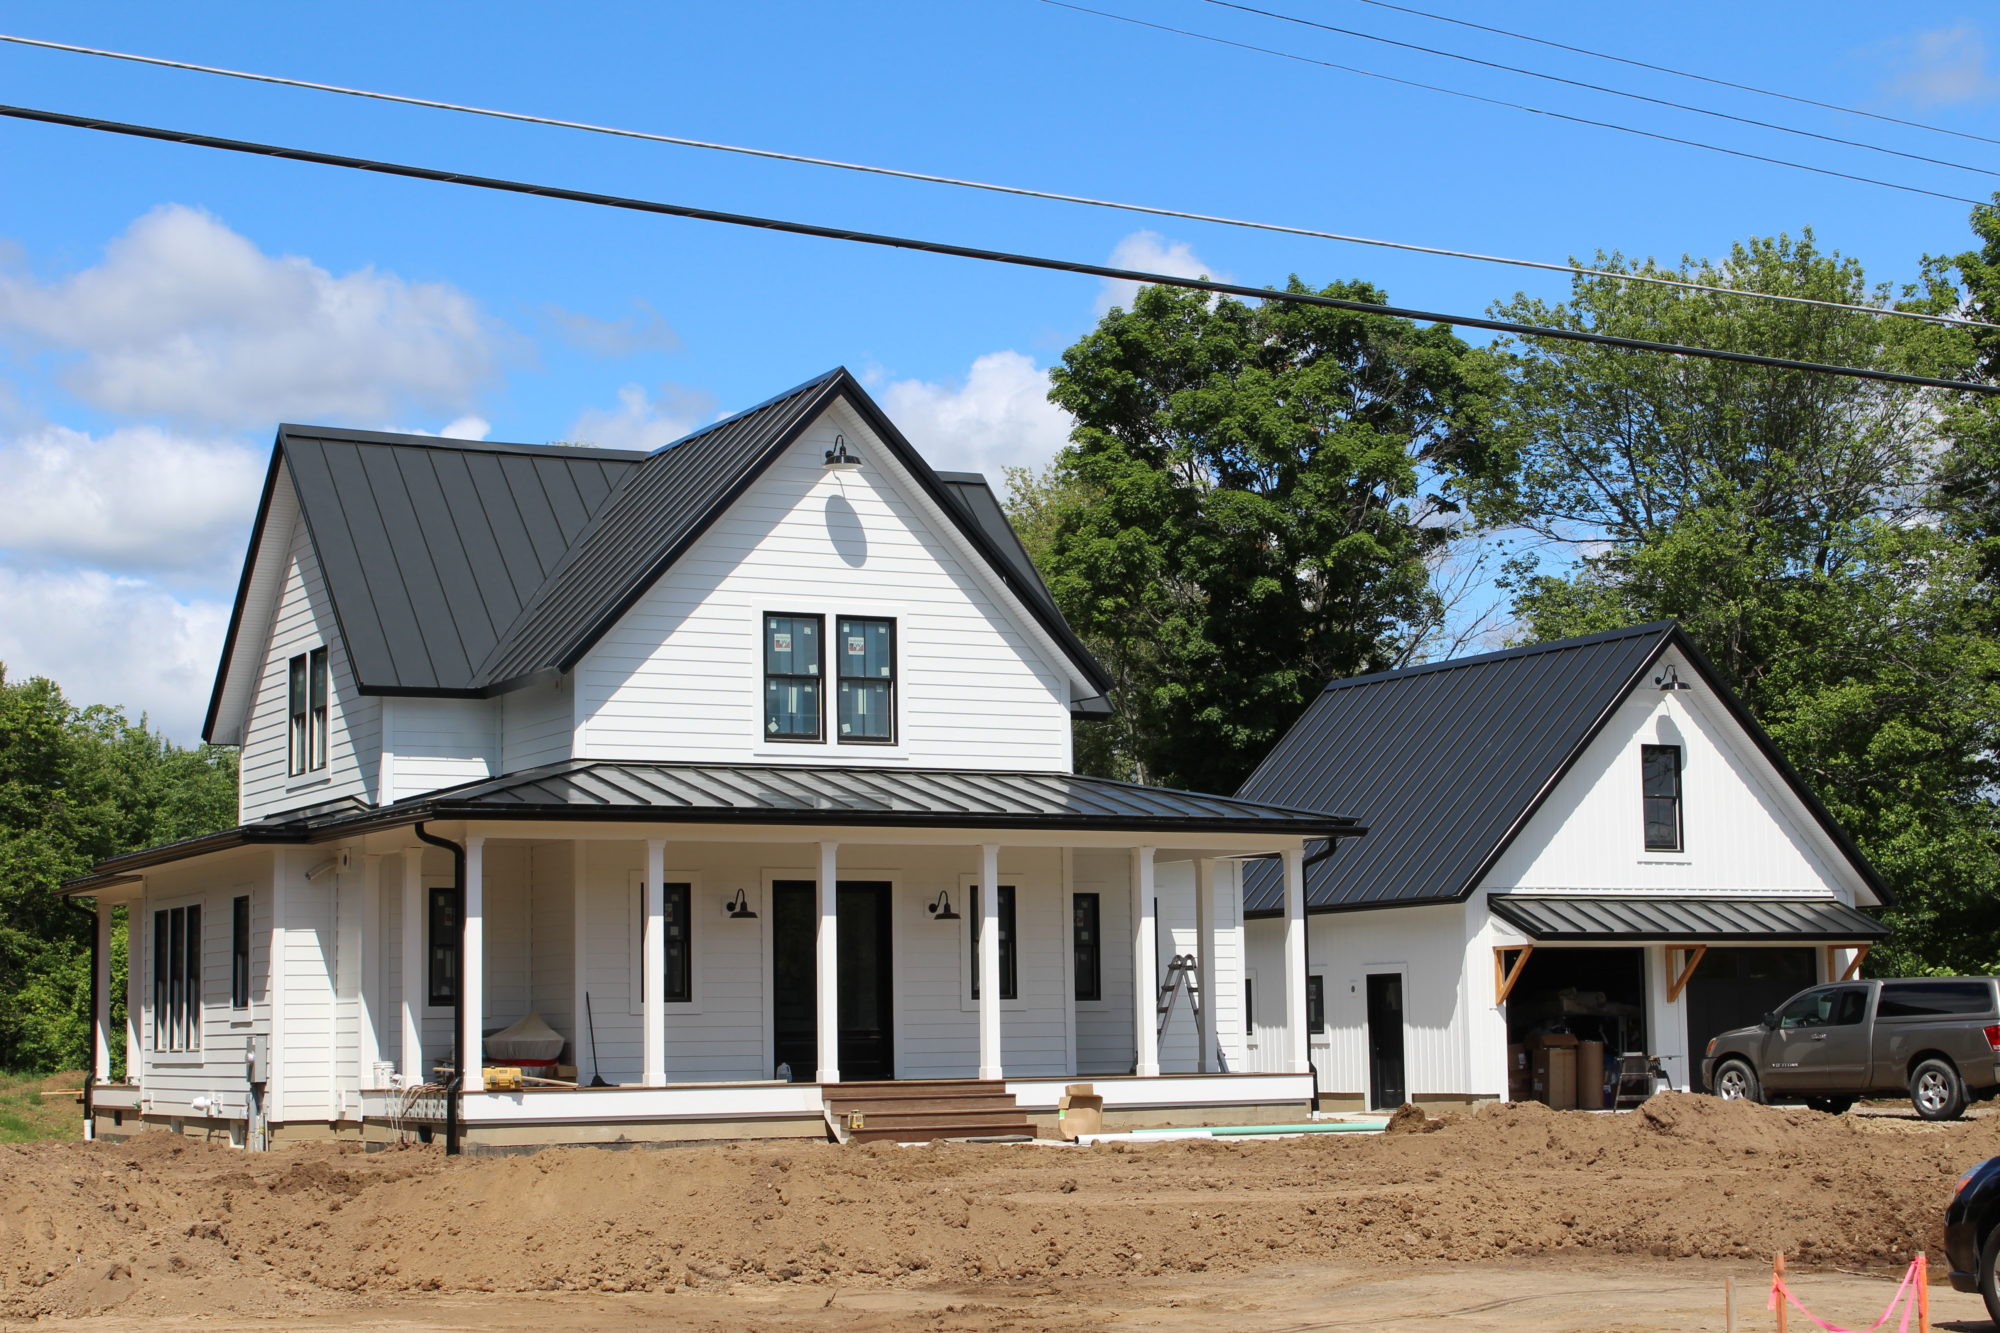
point(967, 251)
point(1598, 87)
point(1018, 190)
point(1680, 73)
point(1515, 106)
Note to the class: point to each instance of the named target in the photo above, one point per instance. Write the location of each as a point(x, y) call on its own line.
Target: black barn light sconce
point(1670, 679)
point(838, 459)
point(739, 909)
point(940, 907)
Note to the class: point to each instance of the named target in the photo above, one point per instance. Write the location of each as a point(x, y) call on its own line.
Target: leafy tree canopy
point(1246, 508)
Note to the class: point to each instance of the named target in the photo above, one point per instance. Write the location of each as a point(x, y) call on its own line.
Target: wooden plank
point(1854, 968)
point(1506, 975)
point(1679, 983)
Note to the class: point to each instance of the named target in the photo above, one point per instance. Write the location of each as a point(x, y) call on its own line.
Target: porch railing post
point(1204, 952)
point(1298, 1059)
point(368, 962)
point(100, 994)
point(826, 958)
point(989, 962)
point(653, 967)
point(416, 983)
point(1145, 967)
point(472, 970)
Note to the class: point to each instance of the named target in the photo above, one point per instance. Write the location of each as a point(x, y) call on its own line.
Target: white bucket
point(380, 1073)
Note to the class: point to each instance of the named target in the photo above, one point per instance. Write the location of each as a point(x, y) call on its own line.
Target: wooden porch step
point(918, 1110)
point(874, 1133)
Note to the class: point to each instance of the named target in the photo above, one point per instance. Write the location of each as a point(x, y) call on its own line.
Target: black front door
point(1385, 1041)
point(866, 1046)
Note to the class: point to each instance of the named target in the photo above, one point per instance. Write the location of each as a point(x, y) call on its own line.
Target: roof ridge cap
point(1659, 627)
point(405, 440)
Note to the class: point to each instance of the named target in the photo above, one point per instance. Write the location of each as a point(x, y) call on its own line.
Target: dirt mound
point(1410, 1119)
point(164, 1225)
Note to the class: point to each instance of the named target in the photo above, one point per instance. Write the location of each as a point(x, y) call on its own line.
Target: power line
point(1598, 87)
point(966, 251)
point(1017, 190)
point(1681, 73)
point(1515, 106)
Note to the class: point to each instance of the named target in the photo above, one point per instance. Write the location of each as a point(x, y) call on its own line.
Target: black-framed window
point(1661, 774)
point(1087, 941)
point(865, 653)
point(1249, 1007)
point(680, 941)
point(443, 916)
point(1010, 988)
point(793, 657)
point(177, 978)
point(1315, 1004)
point(306, 688)
point(239, 952)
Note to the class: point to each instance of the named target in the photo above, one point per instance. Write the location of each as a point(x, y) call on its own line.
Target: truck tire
point(1736, 1081)
point(1937, 1091)
point(1989, 1278)
point(1830, 1105)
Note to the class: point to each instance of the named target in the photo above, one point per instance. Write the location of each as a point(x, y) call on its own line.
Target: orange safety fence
point(1912, 1297)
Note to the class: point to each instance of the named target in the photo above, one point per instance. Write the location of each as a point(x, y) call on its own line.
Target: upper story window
point(792, 675)
point(866, 650)
point(1661, 769)
point(307, 689)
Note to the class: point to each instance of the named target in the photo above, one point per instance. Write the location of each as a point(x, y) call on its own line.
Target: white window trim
point(154, 1055)
point(968, 888)
point(703, 911)
point(828, 748)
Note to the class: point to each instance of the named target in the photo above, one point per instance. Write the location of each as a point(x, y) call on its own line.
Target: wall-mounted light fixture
point(940, 907)
point(838, 459)
point(1670, 679)
point(341, 861)
point(739, 909)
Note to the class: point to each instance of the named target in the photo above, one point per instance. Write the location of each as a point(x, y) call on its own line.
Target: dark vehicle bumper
point(1961, 1246)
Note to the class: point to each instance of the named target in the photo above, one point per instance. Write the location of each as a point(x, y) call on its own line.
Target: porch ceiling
point(1632, 918)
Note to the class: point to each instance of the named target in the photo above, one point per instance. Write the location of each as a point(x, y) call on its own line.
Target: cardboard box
point(1555, 1077)
point(1080, 1111)
point(1543, 1040)
point(1590, 1076)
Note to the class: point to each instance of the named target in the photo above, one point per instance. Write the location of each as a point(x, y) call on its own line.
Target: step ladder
point(1184, 976)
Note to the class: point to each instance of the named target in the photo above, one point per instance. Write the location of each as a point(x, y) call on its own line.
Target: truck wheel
point(1937, 1091)
point(1736, 1081)
point(1989, 1279)
point(1830, 1105)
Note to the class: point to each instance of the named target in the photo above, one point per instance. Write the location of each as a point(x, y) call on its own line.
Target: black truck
point(1937, 1038)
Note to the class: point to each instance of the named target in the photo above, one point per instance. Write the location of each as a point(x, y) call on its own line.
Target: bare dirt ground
point(1513, 1217)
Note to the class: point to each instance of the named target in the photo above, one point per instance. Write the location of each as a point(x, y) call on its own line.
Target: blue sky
point(162, 308)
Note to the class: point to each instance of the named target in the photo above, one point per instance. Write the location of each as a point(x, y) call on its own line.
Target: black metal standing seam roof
point(1692, 917)
point(1441, 761)
point(430, 550)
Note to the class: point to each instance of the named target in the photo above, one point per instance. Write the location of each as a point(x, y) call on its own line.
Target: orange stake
point(1778, 1282)
point(1923, 1292)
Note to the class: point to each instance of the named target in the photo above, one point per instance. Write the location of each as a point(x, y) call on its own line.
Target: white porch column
point(1204, 952)
point(135, 953)
point(827, 963)
point(1145, 968)
point(472, 970)
point(653, 969)
point(100, 1016)
point(1298, 1059)
point(989, 962)
point(416, 978)
point(368, 961)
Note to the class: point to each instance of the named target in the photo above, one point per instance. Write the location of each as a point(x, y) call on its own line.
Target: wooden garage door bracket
point(1505, 974)
point(1679, 983)
point(1853, 968)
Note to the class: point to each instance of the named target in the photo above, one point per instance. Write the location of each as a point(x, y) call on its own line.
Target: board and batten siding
point(680, 676)
point(304, 621)
point(1744, 831)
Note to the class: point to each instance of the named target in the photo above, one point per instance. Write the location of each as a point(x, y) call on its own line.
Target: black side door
point(1386, 1085)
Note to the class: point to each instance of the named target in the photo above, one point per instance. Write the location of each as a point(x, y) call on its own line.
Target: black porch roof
point(1628, 919)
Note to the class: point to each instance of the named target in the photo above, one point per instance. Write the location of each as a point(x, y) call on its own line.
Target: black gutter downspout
point(96, 998)
point(454, 1089)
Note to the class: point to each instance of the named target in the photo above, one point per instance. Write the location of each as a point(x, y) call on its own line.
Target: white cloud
point(1149, 252)
point(466, 428)
point(186, 319)
point(641, 330)
point(1942, 66)
point(999, 415)
point(137, 498)
point(113, 640)
point(641, 420)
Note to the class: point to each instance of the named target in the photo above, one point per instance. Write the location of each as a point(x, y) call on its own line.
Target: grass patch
point(28, 1117)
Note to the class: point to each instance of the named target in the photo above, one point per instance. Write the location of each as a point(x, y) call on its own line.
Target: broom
point(597, 1079)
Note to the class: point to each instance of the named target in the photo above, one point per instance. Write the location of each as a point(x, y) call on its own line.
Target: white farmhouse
point(734, 775)
point(1587, 840)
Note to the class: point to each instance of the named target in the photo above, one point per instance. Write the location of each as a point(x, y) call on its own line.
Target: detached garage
point(1585, 845)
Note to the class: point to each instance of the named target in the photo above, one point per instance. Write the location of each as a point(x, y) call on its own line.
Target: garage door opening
point(1569, 1017)
point(1733, 988)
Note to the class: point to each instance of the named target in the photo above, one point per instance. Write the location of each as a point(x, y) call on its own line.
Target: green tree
point(77, 786)
point(1246, 509)
point(1792, 523)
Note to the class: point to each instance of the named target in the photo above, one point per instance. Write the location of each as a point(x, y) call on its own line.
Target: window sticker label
point(856, 646)
point(781, 641)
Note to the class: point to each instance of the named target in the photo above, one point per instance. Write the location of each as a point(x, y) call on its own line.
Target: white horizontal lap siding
point(443, 742)
point(1104, 1027)
point(308, 1046)
point(536, 726)
point(606, 962)
point(553, 920)
point(1440, 1030)
point(508, 937)
point(680, 676)
point(1744, 832)
point(304, 621)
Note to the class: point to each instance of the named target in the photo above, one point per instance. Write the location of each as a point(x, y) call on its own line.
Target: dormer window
point(866, 650)
point(1661, 774)
point(792, 661)
point(307, 731)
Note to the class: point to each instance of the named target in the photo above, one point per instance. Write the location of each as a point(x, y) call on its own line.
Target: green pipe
point(1239, 1131)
